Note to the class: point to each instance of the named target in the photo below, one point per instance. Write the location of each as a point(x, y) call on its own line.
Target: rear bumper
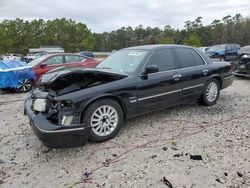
point(227, 81)
point(52, 135)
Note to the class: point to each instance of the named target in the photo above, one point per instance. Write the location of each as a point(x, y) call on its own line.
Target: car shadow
point(7, 91)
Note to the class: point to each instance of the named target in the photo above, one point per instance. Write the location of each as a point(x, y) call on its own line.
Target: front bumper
point(239, 71)
point(242, 74)
point(52, 135)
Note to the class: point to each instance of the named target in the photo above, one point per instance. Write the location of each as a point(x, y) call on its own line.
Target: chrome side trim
point(59, 131)
point(162, 94)
point(229, 77)
point(191, 87)
point(166, 93)
point(133, 101)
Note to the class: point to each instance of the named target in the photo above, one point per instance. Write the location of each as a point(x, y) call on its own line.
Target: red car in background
point(48, 62)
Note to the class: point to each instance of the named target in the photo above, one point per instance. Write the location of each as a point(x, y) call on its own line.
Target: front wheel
point(24, 86)
point(211, 93)
point(105, 117)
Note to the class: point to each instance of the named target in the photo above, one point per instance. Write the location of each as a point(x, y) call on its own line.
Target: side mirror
point(150, 69)
point(43, 65)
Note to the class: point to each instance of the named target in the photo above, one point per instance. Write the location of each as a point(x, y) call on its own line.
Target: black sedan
point(73, 105)
point(242, 67)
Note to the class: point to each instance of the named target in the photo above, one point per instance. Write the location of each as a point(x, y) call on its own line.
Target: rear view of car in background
point(243, 64)
point(87, 54)
point(227, 52)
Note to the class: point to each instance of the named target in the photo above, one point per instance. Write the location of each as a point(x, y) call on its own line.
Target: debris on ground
point(167, 182)
point(196, 157)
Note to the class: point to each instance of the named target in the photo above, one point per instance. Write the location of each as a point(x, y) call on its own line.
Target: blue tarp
point(11, 72)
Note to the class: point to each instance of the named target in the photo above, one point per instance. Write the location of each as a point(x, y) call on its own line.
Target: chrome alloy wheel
point(104, 120)
point(212, 92)
point(24, 85)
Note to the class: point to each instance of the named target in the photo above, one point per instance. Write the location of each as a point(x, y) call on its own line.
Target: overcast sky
point(107, 15)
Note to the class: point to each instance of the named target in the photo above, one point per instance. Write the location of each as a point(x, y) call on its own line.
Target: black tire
point(204, 98)
point(24, 86)
point(99, 104)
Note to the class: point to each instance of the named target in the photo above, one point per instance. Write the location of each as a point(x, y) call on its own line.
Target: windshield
point(36, 61)
point(217, 48)
point(124, 61)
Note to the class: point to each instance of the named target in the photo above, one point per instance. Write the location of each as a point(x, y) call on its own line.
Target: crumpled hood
point(51, 76)
point(244, 50)
point(66, 80)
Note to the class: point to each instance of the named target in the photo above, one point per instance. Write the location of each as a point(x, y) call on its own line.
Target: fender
point(105, 95)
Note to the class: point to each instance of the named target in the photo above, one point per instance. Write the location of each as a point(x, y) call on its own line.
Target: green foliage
point(167, 40)
point(17, 36)
point(192, 40)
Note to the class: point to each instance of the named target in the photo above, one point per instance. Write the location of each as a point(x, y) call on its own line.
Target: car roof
point(54, 54)
point(155, 46)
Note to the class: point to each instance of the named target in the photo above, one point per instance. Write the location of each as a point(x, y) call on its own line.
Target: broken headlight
point(67, 120)
point(66, 110)
point(40, 105)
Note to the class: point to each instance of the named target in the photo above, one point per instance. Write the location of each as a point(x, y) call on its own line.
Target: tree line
point(17, 36)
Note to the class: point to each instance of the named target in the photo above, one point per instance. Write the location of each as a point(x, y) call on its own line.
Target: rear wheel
point(24, 86)
point(211, 93)
point(105, 117)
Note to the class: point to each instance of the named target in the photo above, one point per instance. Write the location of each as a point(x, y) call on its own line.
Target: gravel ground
point(147, 148)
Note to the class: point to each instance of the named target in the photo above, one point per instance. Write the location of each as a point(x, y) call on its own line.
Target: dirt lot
point(146, 150)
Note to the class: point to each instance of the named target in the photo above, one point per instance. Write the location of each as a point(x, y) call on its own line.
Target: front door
point(159, 90)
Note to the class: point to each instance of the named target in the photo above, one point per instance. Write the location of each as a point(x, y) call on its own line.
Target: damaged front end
point(56, 123)
point(60, 113)
point(243, 66)
point(53, 108)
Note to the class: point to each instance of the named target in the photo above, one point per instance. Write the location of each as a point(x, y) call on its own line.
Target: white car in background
point(30, 58)
point(11, 57)
point(204, 48)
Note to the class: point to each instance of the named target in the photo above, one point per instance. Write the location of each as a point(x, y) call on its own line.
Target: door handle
point(177, 77)
point(205, 72)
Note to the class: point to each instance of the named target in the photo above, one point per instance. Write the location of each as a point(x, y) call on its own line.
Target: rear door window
point(55, 60)
point(163, 58)
point(184, 57)
point(72, 58)
point(197, 58)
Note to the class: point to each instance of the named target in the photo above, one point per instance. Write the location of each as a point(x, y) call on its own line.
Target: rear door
point(193, 71)
point(159, 90)
point(79, 61)
point(72, 61)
